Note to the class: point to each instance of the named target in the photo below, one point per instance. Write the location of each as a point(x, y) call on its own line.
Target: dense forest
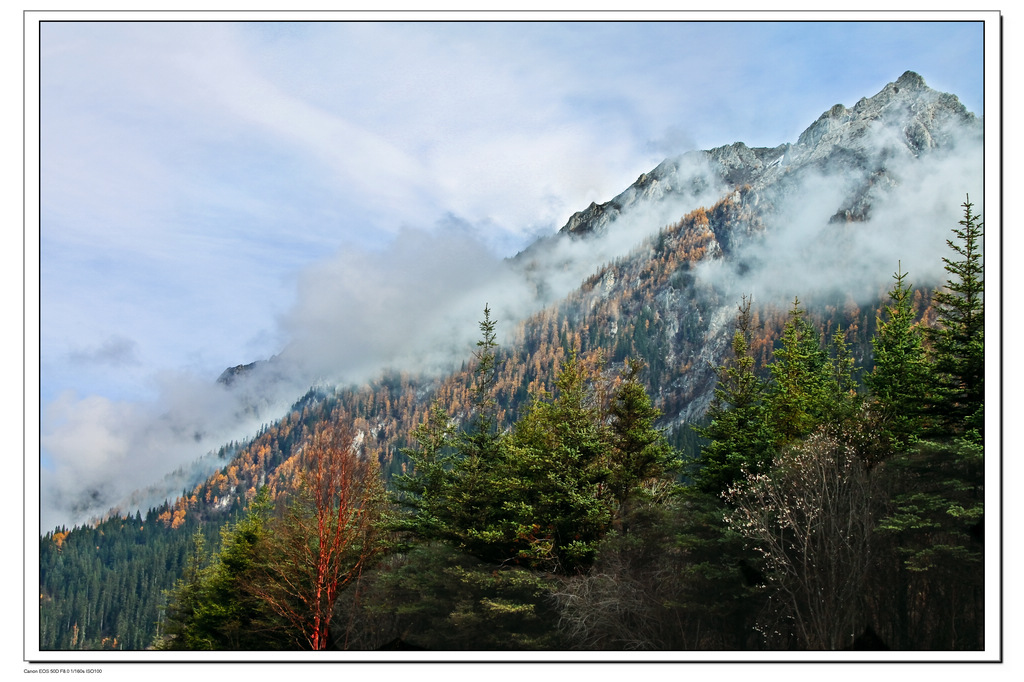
point(564, 491)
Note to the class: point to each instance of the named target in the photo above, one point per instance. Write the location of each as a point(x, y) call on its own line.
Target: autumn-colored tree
point(328, 535)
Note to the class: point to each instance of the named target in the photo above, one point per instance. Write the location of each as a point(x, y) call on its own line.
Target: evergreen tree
point(559, 452)
point(485, 376)
point(639, 452)
point(461, 490)
point(900, 376)
point(185, 602)
point(426, 492)
point(934, 526)
point(845, 401)
point(803, 382)
point(958, 340)
point(935, 515)
point(738, 428)
point(237, 616)
point(539, 495)
point(215, 608)
point(435, 597)
point(480, 493)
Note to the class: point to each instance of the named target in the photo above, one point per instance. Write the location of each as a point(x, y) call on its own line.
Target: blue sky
point(193, 175)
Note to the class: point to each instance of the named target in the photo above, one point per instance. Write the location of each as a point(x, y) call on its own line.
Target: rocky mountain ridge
point(916, 119)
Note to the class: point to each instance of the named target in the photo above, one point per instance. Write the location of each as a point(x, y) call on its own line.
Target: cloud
point(98, 450)
point(116, 351)
point(803, 252)
point(413, 302)
point(414, 305)
point(673, 142)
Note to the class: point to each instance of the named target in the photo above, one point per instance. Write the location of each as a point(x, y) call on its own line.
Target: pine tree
point(462, 490)
point(803, 382)
point(958, 340)
point(425, 493)
point(639, 451)
point(478, 494)
point(843, 398)
point(182, 625)
point(485, 377)
point(935, 515)
point(899, 379)
point(738, 428)
point(558, 451)
point(214, 608)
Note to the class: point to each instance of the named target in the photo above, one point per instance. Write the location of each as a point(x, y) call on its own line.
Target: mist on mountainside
point(836, 223)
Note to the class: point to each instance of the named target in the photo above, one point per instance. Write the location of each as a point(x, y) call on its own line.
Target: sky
point(217, 193)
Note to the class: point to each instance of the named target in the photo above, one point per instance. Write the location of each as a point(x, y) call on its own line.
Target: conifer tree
point(899, 379)
point(559, 452)
point(426, 491)
point(738, 429)
point(182, 623)
point(802, 380)
point(958, 339)
point(935, 515)
point(461, 490)
point(478, 494)
point(215, 608)
point(639, 451)
point(240, 619)
point(485, 376)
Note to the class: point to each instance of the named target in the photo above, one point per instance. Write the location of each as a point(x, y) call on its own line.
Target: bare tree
point(810, 516)
point(327, 536)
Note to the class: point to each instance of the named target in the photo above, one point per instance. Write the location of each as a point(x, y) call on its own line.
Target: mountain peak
point(919, 118)
point(909, 79)
point(908, 101)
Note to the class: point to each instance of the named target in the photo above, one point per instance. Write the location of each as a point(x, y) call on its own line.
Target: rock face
point(667, 179)
point(229, 375)
point(924, 115)
point(906, 118)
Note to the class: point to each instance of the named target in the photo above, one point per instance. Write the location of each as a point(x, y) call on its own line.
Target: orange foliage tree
point(328, 534)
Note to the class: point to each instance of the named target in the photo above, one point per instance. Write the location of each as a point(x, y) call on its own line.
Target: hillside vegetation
point(555, 494)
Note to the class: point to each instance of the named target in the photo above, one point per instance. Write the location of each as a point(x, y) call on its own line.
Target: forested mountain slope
point(827, 219)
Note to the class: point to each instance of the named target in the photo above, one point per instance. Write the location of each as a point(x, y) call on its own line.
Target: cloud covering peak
point(341, 196)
